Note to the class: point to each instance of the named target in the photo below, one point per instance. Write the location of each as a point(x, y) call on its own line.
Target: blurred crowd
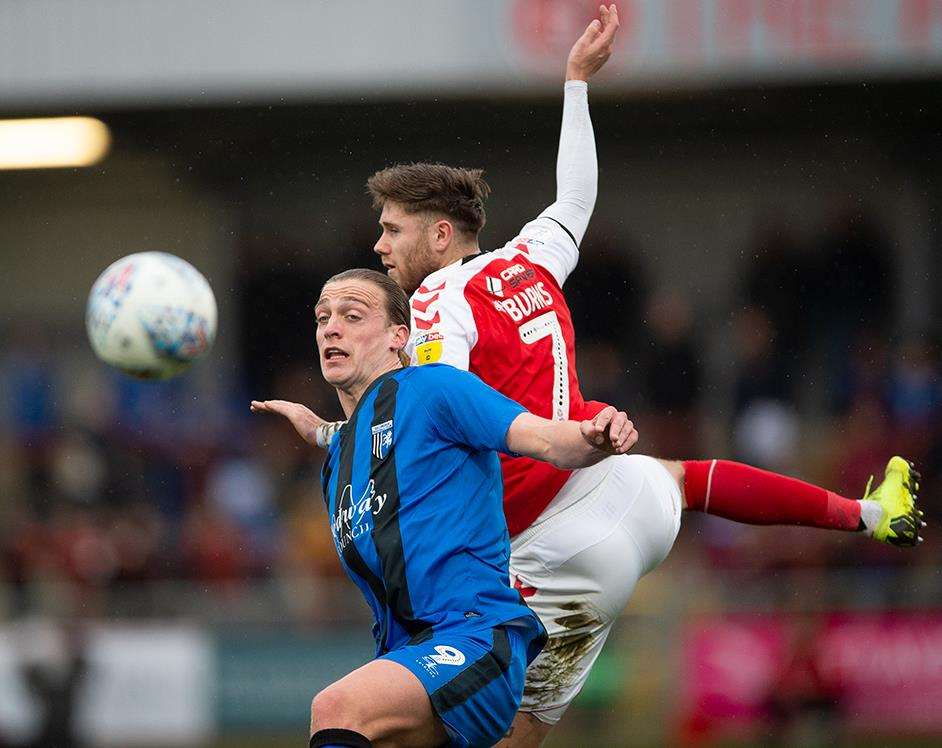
point(109, 482)
point(810, 373)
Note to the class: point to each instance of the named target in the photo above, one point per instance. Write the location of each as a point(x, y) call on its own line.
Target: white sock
point(870, 513)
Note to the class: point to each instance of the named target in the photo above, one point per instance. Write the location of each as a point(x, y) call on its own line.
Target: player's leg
point(758, 497)
point(348, 712)
point(525, 732)
point(472, 677)
point(577, 567)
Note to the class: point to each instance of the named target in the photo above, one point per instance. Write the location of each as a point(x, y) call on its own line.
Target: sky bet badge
point(382, 439)
point(428, 348)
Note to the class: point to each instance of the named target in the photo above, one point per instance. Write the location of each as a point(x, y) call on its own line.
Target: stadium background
point(760, 280)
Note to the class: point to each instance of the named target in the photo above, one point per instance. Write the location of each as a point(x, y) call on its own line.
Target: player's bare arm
point(311, 427)
point(594, 47)
point(572, 444)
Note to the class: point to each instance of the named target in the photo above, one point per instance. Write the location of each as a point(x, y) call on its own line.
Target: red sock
point(757, 497)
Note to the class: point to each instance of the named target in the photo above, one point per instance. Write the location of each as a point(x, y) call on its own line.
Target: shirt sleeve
point(467, 411)
point(443, 330)
point(553, 239)
point(550, 245)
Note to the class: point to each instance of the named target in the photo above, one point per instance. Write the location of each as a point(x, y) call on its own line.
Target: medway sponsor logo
point(382, 439)
point(355, 518)
point(428, 347)
point(524, 303)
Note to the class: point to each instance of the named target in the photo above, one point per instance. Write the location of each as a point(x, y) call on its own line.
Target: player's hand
point(594, 47)
point(304, 420)
point(610, 431)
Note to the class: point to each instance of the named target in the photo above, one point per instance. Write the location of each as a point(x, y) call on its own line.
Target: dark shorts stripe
point(387, 535)
point(490, 667)
point(423, 636)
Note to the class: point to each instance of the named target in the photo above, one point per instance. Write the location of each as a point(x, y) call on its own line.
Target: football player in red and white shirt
point(581, 539)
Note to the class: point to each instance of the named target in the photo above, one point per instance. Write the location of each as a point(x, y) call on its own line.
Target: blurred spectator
point(78, 469)
point(803, 705)
point(212, 549)
point(243, 491)
point(762, 373)
point(603, 373)
point(864, 375)
point(137, 533)
point(308, 546)
point(672, 376)
point(857, 286)
point(779, 281)
point(914, 390)
point(766, 425)
point(55, 682)
point(766, 434)
point(607, 302)
point(29, 383)
point(109, 482)
point(277, 298)
point(862, 444)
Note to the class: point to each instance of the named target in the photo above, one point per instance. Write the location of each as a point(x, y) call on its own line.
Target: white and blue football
point(151, 315)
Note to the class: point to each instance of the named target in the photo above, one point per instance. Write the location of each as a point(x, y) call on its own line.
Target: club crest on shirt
point(382, 439)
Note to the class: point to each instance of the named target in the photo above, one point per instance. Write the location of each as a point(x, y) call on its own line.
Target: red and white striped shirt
point(502, 315)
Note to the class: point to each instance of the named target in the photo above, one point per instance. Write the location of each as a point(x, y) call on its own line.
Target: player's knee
point(525, 732)
point(333, 708)
point(675, 468)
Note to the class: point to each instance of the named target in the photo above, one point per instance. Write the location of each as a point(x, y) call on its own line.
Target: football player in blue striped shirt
point(413, 490)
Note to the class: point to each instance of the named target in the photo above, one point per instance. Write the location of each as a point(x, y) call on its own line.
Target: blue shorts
point(474, 679)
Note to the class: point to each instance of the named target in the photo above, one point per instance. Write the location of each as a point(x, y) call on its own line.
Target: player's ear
point(400, 337)
point(442, 232)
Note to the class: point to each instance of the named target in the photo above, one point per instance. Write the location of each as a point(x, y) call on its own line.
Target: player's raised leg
point(577, 566)
point(758, 497)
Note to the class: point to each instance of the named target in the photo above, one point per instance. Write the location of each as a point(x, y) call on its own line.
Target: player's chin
point(405, 281)
point(334, 371)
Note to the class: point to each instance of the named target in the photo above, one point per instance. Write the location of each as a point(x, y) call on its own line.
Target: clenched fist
point(610, 431)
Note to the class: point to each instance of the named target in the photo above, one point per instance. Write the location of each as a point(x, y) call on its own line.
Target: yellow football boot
point(896, 495)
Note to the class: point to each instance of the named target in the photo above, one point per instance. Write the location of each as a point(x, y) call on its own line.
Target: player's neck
point(350, 396)
point(455, 253)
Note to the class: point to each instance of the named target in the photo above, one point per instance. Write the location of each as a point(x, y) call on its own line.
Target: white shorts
point(577, 566)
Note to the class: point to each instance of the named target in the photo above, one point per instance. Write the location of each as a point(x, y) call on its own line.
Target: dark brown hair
point(397, 303)
point(454, 192)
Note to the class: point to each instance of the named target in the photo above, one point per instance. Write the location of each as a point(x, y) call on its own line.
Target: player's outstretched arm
point(311, 427)
point(577, 169)
point(571, 444)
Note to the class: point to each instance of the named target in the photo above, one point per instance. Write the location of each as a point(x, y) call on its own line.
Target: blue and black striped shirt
point(413, 489)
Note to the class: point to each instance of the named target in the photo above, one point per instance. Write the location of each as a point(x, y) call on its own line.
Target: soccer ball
point(151, 315)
